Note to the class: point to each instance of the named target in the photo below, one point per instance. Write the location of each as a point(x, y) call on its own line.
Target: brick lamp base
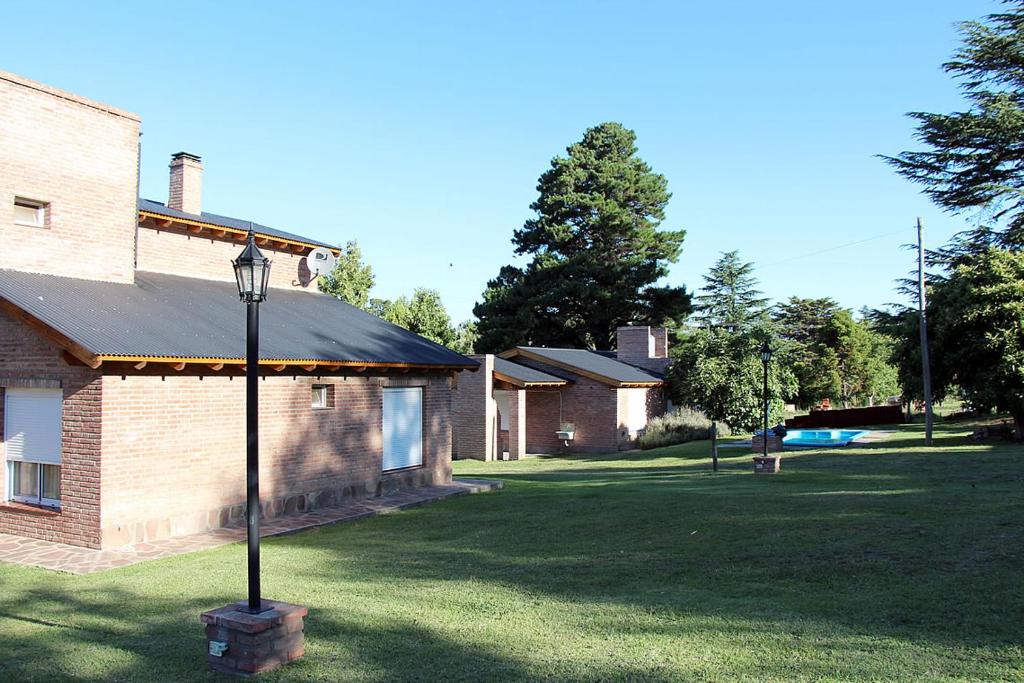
point(242, 643)
point(767, 465)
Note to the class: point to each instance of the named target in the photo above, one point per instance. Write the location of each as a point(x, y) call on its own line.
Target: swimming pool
point(822, 437)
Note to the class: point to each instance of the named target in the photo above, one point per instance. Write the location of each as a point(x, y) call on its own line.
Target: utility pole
point(926, 371)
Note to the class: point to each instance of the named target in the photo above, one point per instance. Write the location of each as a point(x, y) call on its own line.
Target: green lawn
point(880, 563)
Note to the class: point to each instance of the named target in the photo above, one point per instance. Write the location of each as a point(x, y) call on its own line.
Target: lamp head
point(252, 272)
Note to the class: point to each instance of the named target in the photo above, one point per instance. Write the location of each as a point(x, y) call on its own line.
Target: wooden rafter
point(198, 226)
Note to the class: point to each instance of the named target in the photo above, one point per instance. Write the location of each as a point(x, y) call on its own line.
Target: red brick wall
point(591, 406)
point(24, 357)
point(82, 158)
point(174, 449)
point(474, 412)
point(172, 251)
point(542, 421)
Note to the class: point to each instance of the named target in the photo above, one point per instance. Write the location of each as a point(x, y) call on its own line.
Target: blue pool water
point(822, 437)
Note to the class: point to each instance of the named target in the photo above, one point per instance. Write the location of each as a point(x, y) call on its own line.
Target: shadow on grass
point(100, 635)
point(874, 541)
point(914, 546)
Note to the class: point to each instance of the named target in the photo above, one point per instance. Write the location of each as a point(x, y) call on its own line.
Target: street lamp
point(766, 357)
point(252, 271)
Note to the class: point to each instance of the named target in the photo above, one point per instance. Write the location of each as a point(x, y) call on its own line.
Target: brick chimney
point(643, 346)
point(186, 183)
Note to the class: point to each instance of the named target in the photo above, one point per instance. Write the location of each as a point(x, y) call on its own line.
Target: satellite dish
point(320, 261)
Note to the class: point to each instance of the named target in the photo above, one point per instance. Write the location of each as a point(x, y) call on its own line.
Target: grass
point(879, 563)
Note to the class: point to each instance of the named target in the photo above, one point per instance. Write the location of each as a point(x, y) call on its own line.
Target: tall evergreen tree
point(597, 253)
point(730, 298)
point(975, 158)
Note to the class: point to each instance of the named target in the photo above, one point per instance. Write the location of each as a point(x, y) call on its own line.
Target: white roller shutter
point(403, 427)
point(32, 424)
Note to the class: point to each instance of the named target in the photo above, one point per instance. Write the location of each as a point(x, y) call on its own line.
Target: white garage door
point(403, 427)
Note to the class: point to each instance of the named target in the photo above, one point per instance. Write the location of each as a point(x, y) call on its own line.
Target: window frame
point(422, 440)
point(38, 500)
point(328, 396)
point(42, 210)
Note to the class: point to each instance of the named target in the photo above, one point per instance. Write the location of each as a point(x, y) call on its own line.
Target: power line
point(828, 249)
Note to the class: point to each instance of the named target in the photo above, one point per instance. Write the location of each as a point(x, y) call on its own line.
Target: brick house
point(524, 397)
point(122, 349)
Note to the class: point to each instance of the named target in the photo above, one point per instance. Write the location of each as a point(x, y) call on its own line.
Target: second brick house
point(122, 346)
point(544, 400)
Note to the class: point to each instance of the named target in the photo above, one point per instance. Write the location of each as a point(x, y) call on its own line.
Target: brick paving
point(75, 560)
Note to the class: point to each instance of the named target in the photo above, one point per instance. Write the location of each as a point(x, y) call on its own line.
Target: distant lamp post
point(766, 358)
point(252, 271)
point(764, 463)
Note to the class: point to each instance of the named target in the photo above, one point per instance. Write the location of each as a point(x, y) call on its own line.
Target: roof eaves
point(169, 214)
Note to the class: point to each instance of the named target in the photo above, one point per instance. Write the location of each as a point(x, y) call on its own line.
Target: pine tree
point(730, 298)
point(596, 250)
point(975, 158)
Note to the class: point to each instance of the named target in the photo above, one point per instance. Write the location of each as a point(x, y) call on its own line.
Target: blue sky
point(419, 129)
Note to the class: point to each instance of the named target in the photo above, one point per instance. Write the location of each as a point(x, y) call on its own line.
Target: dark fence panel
point(850, 417)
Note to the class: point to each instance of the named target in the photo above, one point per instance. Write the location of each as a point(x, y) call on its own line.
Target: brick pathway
point(75, 560)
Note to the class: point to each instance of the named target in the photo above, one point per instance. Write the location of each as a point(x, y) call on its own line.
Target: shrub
point(679, 426)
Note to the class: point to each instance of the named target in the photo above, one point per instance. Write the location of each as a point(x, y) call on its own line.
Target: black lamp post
point(252, 271)
point(766, 357)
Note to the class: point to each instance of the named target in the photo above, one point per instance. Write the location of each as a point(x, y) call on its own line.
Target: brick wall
point(80, 157)
point(591, 406)
point(474, 412)
point(180, 253)
point(25, 360)
point(542, 421)
point(174, 449)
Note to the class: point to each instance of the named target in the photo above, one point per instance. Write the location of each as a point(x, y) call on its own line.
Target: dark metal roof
point(226, 222)
point(593, 362)
point(172, 316)
point(525, 374)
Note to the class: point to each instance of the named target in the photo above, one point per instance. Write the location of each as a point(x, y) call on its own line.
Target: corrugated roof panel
point(523, 373)
point(594, 362)
point(172, 316)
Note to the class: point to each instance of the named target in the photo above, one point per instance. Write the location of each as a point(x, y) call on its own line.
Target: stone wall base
point(238, 642)
point(144, 531)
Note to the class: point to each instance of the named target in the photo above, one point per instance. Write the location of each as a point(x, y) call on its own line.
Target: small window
point(29, 212)
point(35, 483)
point(323, 396)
